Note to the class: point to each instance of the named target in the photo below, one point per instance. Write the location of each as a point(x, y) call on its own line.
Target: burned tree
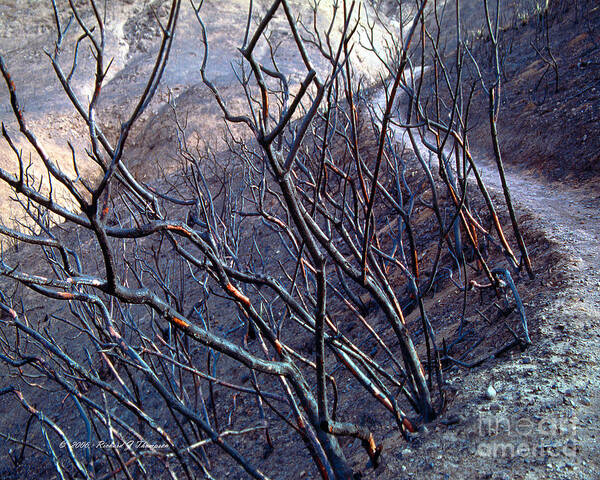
point(295, 255)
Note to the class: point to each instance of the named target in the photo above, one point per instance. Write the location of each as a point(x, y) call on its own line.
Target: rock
point(453, 420)
point(490, 393)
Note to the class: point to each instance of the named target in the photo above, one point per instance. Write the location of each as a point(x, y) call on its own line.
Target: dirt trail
point(557, 379)
point(570, 219)
point(567, 215)
point(544, 422)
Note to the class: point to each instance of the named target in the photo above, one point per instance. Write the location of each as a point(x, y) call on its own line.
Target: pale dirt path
point(548, 402)
point(558, 379)
point(566, 359)
point(569, 216)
